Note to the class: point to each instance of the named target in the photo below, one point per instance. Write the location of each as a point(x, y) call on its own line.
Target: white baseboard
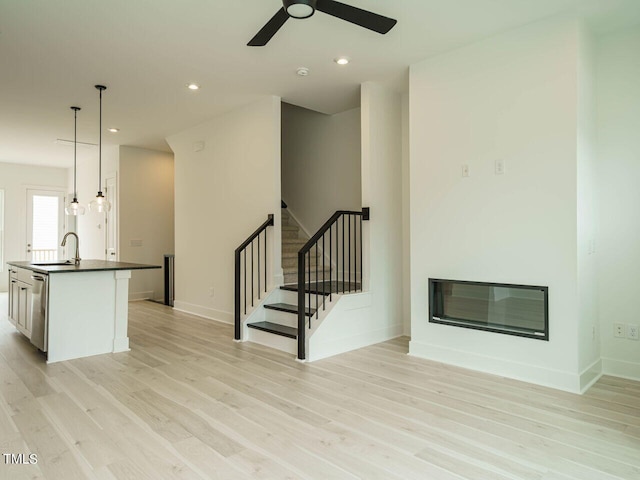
point(209, 313)
point(121, 345)
point(621, 368)
point(590, 375)
point(135, 296)
point(561, 380)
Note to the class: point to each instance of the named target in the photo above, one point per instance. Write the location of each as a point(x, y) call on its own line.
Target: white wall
point(320, 164)
point(14, 180)
point(618, 124)
point(146, 181)
point(222, 194)
point(511, 97)
point(382, 193)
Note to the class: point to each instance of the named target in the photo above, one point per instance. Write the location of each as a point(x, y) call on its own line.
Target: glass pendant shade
point(100, 204)
point(74, 208)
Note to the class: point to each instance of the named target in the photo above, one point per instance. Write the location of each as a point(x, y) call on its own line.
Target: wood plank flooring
point(189, 403)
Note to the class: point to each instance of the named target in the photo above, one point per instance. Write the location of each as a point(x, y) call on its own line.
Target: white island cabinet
point(84, 307)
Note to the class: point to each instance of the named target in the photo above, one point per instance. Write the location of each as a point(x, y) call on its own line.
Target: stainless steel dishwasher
point(39, 304)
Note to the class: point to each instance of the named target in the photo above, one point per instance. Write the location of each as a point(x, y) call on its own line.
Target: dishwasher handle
point(35, 277)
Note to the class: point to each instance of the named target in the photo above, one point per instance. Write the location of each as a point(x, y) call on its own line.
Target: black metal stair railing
point(257, 271)
point(336, 251)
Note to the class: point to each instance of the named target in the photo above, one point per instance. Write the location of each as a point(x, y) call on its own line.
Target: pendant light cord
point(75, 146)
point(100, 88)
point(100, 152)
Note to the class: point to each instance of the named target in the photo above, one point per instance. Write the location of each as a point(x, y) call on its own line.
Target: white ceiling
point(52, 53)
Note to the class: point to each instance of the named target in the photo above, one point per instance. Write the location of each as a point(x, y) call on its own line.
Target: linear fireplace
point(520, 310)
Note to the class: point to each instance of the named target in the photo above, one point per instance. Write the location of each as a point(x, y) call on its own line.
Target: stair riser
point(290, 234)
point(284, 344)
point(282, 318)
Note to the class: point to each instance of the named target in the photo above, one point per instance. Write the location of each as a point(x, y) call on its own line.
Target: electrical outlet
point(211, 291)
point(618, 330)
point(632, 332)
point(465, 170)
point(500, 169)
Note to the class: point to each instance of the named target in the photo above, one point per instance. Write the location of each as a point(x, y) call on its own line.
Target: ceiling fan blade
point(270, 29)
point(364, 18)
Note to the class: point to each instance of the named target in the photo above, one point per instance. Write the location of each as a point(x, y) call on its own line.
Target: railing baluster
point(252, 277)
point(265, 261)
point(349, 252)
point(323, 280)
point(245, 281)
point(236, 294)
point(343, 254)
point(259, 290)
point(361, 264)
point(355, 253)
point(317, 289)
point(330, 261)
point(301, 314)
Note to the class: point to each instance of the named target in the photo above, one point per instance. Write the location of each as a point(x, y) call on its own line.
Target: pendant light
point(74, 207)
point(100, 204)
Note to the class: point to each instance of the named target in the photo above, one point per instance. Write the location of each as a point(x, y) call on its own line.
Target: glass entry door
point(45, 225)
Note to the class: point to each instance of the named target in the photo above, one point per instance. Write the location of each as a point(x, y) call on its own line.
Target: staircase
point(332, 268)
point(281, 316)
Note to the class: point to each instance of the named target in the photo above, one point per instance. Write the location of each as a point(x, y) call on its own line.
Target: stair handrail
point(320, 235)
point(238, 273)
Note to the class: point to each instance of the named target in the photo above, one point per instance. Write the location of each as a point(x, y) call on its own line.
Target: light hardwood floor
point(189, 403)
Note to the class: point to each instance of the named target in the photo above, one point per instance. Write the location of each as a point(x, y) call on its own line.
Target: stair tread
point(276, 328)
point(329, 287)
point(287, 307)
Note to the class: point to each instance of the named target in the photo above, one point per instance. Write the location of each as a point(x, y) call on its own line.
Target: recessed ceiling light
point(193, 86)
point(342, 61)
point(303, 71)
point(114, 130)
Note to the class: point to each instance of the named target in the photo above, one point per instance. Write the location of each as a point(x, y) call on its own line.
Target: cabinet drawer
point(13, 273)
point(24, 275)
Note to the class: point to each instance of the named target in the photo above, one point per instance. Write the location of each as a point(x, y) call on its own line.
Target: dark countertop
point(84, 266)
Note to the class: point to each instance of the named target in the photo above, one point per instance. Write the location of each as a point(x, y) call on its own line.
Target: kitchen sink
point(52, 264)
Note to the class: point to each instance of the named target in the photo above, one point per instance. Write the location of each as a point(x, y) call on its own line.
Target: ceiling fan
point(301, 9)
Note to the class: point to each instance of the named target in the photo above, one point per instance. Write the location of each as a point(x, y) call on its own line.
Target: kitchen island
point(72, 310)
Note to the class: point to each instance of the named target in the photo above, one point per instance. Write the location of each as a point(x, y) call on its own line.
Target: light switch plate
point(465, 170)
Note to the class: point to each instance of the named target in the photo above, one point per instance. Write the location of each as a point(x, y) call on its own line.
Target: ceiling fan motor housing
point(300, 8)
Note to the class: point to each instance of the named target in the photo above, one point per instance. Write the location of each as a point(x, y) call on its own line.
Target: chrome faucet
point(64, 242)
